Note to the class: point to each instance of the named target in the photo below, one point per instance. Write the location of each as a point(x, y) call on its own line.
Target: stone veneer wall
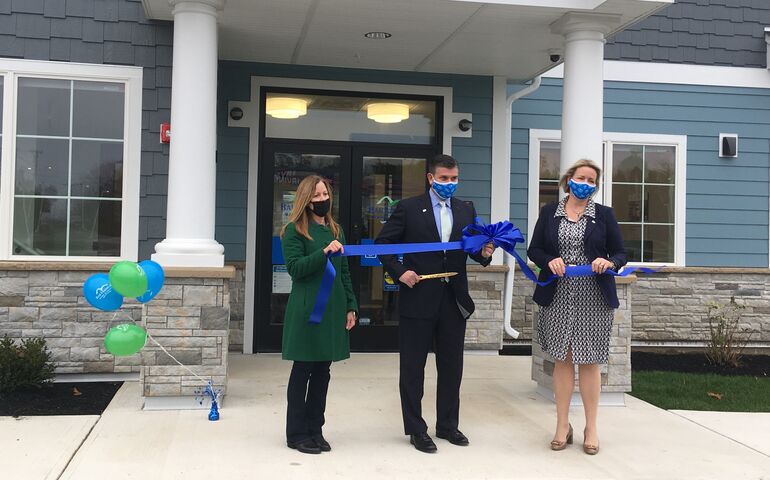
point(672, 305)
point(36, 301)
point(190, 317)
point(484, 330)
point(616, 375)
point(191, 320)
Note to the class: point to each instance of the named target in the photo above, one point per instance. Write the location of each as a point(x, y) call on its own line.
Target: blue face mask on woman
point(581, 190)
point(444, 190)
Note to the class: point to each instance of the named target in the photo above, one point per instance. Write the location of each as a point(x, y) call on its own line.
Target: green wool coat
point(305, 262)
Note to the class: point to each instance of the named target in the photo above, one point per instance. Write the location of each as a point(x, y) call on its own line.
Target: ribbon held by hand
point(503, 234)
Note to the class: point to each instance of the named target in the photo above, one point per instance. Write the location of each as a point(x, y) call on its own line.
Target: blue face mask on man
point(444, 190)
point(581, 190)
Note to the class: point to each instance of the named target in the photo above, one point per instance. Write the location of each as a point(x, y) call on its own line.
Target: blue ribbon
point(503, 235)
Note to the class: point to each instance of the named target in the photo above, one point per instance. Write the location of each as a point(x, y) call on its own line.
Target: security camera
point(554, 57)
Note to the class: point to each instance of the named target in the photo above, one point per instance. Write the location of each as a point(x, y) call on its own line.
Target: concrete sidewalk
point(509, 427)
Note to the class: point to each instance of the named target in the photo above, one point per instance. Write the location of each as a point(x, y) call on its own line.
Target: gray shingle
point(60, 49)
point(150, 99)
point(32, 26)
point(681, 25)
point(153, 202)
point(723, 27)
point(163, 76)
point(156, 227)
point(130, 11)
point(37, 49)
point(144, 56)
point(5, 6)
point(106, 10)
point(118, 31)
point(645, 52)
point(67, 27)
point(154, 119)
point(28, 6)
point(164, 97)
point(150, 141)
point(164, 56)
point(93, 31)
point(157, 184)
point(666, 24)
point(160, 161)
point(703, 41)
point(142, 34)
point(142, 230)
point(54, 8)
point(80, 8)
point(148, 78)
point(146, 160)
point(11, 46)
point(85, 52)
point(704, 56)
point(686, 40)
point(164, 33)
point(118, 53)
point(7, 25)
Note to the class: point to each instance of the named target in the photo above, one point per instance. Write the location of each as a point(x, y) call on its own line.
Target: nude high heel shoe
point(557, 445)
point(590, 449)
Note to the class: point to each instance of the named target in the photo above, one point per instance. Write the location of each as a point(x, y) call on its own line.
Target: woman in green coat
point(307, 239)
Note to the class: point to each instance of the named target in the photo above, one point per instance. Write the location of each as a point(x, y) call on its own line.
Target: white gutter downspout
point(507, 259)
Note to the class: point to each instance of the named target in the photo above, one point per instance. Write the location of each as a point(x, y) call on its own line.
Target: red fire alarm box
point(165, 133)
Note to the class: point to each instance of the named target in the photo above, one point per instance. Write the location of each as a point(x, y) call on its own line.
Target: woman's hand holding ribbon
point(334, 247)
point(557, 266)
point(601, 265)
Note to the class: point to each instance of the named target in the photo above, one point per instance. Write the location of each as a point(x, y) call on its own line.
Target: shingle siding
point(704, 32)
point(110, 32)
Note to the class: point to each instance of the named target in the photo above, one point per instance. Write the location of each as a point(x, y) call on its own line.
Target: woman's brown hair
point(563, 182)
point(300, 212)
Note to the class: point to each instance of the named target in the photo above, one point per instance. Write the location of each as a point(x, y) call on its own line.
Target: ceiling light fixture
point(378, 35)
point(286, 107)
point(387, 112)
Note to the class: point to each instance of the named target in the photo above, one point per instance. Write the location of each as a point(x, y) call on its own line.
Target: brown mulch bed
point(82, 398)
point(750, 365)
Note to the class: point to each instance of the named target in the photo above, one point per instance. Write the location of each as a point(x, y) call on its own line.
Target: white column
point(582, 107)
point(192, 168)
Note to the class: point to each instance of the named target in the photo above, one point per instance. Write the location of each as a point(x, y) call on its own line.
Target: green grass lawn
point(690, 391)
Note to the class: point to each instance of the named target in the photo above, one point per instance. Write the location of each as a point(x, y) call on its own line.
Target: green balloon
point(128, 279)
point(125, 339)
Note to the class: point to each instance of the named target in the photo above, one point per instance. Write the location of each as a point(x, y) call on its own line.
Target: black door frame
point(267, 337)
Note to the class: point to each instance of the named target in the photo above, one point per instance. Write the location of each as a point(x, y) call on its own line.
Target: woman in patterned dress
point(575, 316)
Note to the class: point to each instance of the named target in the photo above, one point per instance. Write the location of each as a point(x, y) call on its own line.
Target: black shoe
point(455, 437)
point(305, 446)
point(423, 442)
point(322, 443)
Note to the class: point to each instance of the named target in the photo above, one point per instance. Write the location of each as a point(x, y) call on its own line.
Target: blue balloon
point(100, 294)
point(155, 278)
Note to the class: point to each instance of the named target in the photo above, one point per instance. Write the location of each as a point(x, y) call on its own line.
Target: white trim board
point(679, 73)
point(251, 120)
point(679, 141)
point(131, 77)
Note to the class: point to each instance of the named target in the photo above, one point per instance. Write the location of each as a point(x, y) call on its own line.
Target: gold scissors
point(437, 275)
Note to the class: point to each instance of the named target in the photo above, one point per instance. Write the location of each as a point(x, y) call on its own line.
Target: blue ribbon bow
point(503, 234)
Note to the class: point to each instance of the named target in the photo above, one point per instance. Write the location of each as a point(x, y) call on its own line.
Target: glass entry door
point(368, 183)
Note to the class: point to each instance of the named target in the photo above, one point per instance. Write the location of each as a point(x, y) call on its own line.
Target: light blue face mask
point(581, 190)
point(444, 190)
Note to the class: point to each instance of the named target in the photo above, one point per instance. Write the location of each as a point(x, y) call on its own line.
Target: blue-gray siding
point(472, 94)
point(705, 32)
point(727, 199)
point(106, 32)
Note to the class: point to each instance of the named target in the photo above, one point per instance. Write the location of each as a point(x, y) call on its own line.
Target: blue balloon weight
point(155, 277)
point(100, 294)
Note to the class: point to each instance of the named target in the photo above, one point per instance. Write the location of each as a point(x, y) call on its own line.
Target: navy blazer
point(602, 239)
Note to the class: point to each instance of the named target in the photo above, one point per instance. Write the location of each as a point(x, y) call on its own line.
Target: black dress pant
point(445, 332)
point(308, 384)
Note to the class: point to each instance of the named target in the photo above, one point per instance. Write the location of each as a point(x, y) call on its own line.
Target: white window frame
point(609, 138)
point(131, 78)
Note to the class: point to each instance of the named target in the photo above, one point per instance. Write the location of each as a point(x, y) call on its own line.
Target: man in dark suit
point(433, 313)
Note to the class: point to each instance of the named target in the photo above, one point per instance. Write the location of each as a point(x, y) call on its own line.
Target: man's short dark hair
point(444, 161)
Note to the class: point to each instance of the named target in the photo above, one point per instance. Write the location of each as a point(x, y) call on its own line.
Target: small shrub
point(25, 365)
point(726, 341)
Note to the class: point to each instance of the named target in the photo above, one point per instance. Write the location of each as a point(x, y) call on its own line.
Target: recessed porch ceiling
point(498, 37)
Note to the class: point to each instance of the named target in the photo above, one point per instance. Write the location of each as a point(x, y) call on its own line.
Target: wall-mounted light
point(286, 107)
point(728, 145)
point(464, 125)
point(387, 112)
point(236, 113)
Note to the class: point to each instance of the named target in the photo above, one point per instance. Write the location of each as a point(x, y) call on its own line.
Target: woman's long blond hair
point(300, 212)
point(584, 162)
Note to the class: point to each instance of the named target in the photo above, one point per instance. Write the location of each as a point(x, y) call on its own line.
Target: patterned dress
point(579, 316)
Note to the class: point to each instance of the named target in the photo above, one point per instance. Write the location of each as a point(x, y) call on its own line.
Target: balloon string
point(177, 361)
